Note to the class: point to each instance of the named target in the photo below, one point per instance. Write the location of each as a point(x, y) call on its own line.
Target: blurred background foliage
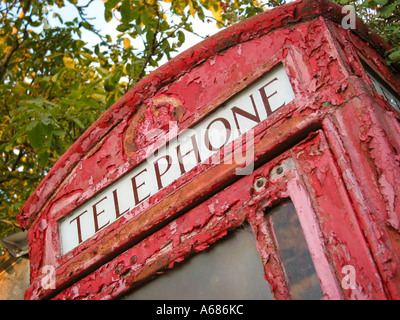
point(53, 84)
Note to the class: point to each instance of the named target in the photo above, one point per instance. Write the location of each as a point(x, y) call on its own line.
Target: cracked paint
point(342, 137)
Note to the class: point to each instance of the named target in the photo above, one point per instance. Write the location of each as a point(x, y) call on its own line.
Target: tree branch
point(15, 43)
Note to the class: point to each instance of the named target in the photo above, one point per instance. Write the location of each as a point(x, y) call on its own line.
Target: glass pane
point(296, 258)
point(383, 88)
point(230, 269)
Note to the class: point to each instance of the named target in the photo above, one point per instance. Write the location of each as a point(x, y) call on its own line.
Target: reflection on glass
point(383, 88)
point(293, 249)
point(230, 269)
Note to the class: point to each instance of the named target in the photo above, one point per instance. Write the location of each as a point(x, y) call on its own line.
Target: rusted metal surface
point(349, 170)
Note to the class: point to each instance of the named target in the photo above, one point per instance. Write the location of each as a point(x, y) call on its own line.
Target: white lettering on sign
point(233, 119)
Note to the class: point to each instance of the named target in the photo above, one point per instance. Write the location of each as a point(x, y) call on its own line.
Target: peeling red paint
point(342, 136)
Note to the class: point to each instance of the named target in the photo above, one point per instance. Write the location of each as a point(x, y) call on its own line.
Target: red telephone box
point(263, 163)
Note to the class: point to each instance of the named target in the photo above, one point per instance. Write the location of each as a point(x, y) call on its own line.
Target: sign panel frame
point(232, 121)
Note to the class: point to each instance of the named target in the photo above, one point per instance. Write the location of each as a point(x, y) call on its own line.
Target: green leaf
point(381, 2)
point(138, 29)
point(181, 37)
point(43, 158)
point(44, 118)
point(127, 13)
point(395, 56)
point(36, 23)
point(91, 103)
point(146, 18)
point(124, 27)
point(86, 25)
point(32, 125)
point(388, 10)
point(78, 123)
point(101, 71)
point(36, 137)
point(149, 37)
point(59, 132)
point(108, 6)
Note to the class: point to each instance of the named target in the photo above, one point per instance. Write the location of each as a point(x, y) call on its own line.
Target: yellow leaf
point(217, 13)
point(179, 6)
point(19, 88)
point(127, 43)
point(192, 10)
point(60, 3)
point(87, 55)
point(68, 62)
point(98, 96)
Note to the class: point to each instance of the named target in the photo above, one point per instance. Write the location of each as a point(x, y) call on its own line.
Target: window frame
point(327, 216)
point(377, 80)
point(282, 184)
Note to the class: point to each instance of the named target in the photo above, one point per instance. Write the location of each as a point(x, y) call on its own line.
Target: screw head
point(260, 183)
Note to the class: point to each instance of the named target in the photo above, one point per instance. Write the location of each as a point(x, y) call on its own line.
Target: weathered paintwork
point(342, 136)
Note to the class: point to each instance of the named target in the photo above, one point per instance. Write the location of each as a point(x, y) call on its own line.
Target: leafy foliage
point(383, 16)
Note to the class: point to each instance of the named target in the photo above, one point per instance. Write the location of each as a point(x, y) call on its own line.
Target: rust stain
point(161, 111)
